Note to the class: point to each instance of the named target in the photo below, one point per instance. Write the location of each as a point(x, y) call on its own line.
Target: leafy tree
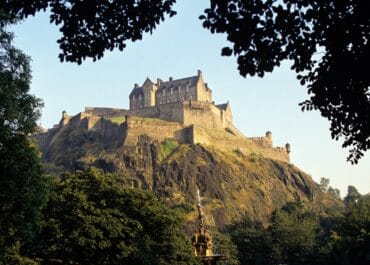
point(324, 184)
point(253, 241)
point(349, 242)
point(222, 244)
point(294, 231)
point(263, 33)
point(352, 195)
point(92, 218)
point(22, 186)
point(90, 27)
point(334, 192)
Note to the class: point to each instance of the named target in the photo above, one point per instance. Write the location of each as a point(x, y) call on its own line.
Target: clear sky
point(178, 48)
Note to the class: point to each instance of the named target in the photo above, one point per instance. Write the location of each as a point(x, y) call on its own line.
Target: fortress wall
point(262, 141)
point(224, 141)
point(154, 128)
point(233, 130)
point(227, 118)
point(202, 113)
point(97, 111)
point(91, 121)
point(172, 112)
point(44, 139)
point(151, 112)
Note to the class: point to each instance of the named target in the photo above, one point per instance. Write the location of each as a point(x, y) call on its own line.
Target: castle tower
point(149, 90)
point(143, 96)
point(203, 92)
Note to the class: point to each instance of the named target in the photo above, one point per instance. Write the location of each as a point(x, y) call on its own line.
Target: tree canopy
point(22, 186)
point(327, 42)
point(92, 218)
point(90, 27)
point(296, 235)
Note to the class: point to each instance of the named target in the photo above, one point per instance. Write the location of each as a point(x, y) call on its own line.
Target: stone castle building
point(165, 92)
point(181, 109)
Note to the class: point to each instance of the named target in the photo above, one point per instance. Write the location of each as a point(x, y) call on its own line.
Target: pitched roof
point(191, 81)
point(136, 91)
point(223, 106)
point(139, 89)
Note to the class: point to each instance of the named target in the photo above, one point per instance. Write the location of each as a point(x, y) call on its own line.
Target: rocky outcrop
point(231, 183)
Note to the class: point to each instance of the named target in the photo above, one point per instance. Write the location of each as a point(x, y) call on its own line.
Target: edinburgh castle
point(179, 109)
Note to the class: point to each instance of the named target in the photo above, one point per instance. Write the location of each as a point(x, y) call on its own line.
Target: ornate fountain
point(202, 240)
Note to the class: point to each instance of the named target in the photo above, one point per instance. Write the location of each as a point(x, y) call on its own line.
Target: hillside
point(231, 183)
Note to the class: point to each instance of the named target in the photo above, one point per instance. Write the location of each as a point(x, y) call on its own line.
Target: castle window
point(179, 90)
point(191, 97)
point(171, 90)
point(164, 92)
point(139, 96)
point(187, 88)
point(168, 101)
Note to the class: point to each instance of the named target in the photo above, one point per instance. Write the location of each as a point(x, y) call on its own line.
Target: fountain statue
point(202, 240)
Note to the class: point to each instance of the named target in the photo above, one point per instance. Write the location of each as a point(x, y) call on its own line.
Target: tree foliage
point(294, 231)
point(263, 33)
point(296, 235)
point(90, 27)
point(22, 186)
point(253, 241)
point(92, 218)
point(327, 41)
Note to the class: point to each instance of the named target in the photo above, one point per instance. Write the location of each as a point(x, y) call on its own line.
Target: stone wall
point(202, 113)
point(154, 128)
point(105, 112)
point(224, 141)
point(262, 141)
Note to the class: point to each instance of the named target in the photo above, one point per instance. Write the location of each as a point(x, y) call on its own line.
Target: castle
point(180, 109)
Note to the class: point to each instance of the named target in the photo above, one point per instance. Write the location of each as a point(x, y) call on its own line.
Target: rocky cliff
point(231, 183)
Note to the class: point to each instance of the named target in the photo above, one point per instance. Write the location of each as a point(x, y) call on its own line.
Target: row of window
point(171, 91)
point(139, 105)
point(176, 99)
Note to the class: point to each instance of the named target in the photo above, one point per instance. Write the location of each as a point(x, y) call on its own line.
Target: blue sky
point(178, 48)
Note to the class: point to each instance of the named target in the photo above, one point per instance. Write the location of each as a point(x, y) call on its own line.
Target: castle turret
point(268, 138)
point(287, 147)
point(65, 118)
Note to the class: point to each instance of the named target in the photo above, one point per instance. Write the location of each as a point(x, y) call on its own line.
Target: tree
point(350, 239)
point(92, 218)
point(253, 241)
point(324, 184)
point(294, 232)
point(352, 195)
point(222, 244)
point(334, 192)
point(22, 186)
point(90, 27)
point(263, 33)
point(327, 41)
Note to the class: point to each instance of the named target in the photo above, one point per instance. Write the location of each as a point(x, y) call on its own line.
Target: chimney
point(170, 78)
point(136, 85)
point(199, 73)
point(159, 81)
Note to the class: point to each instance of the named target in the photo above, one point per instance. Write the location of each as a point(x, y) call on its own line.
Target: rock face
point(231, 183)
